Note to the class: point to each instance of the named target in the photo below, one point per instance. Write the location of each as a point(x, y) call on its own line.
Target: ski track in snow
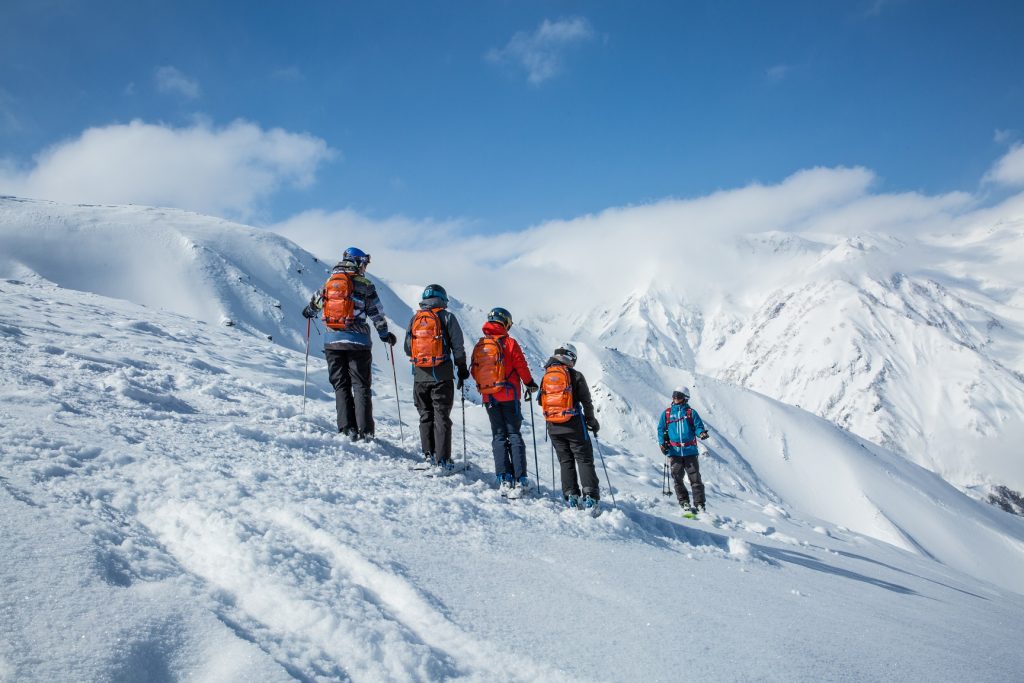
point(175, 453)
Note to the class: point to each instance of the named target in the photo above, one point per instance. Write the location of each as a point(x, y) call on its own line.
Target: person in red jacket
point(501, 398)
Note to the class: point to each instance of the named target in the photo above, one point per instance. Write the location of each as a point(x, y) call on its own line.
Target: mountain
point(169, 504)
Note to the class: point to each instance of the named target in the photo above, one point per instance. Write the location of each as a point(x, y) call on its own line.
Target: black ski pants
point(507, 443)
point(687, 465)
point(434, 400)
point(350, 374)
point(575, 453)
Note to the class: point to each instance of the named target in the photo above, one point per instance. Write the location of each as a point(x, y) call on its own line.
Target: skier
point(678, 430)
point(568, 411)
point(432, 340)
point(347, 299)
point(498, 367)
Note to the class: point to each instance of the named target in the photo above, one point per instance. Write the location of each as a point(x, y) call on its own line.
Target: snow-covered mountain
point(167, 503)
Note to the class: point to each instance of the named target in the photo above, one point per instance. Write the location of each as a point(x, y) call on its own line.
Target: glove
point(593, 424)
point(308, 312)
point(664, 448)
point(531, 389)
point(389, 338)
point(703, 435)
point(463, 373)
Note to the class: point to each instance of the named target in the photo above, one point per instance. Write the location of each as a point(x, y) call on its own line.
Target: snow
point(168, 511)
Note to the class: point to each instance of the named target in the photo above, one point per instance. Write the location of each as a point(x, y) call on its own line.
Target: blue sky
point(501, 115)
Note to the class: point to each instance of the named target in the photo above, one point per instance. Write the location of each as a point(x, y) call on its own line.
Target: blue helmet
point(500, 315)
point(435, 291)
point(356, 256)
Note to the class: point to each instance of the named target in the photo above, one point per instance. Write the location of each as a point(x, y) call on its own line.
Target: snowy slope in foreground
point(167, 514)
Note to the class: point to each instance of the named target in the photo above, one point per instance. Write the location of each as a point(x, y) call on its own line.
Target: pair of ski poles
point(394, 373)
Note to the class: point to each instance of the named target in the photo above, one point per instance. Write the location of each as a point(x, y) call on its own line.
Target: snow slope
point(168, 507)
point(169, 514)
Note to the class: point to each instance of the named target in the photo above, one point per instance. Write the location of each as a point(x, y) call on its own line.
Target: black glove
point(531, 389)
point(593, 424)
point(389, 338)
point(308, 312)
point(703, 435)
point(463, 373)
point(664, 448)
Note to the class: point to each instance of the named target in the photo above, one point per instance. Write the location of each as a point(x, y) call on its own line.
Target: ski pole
point(305, 371)
point(664, 479)
point(533, 433)
point(463, 424)
point(553, 489)
point(600, 452)
point(394, 373)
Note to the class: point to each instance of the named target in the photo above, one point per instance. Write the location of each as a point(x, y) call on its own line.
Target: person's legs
point(583, 452)
point(360, 366)
point(678, 478)
point(422, 395)
point(442, 399)
point(516, 444)
point(499, 439)
point(337, 372)
point(693, 472)
point(567, 464)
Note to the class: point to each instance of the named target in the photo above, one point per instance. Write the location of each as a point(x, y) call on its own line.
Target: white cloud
point(1004, 136)
point(673, 243)
point(541, 52)
point(777, 73)
point(1009, 170)
point(222, 171)
point(170, 81)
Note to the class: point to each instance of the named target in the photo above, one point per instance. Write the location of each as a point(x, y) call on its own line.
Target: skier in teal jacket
point(678, 430)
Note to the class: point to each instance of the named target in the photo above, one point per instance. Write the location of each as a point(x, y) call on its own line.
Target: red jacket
point(515, 362)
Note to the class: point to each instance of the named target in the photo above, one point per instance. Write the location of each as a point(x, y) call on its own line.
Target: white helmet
point(566, 353)
point(683, 393)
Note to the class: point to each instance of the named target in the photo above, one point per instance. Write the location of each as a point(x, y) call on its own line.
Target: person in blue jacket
point(678, 430)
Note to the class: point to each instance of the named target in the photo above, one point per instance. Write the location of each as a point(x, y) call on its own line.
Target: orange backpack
point(427, 347)
point(339, 306)
point(488, 366)
point(556, 395)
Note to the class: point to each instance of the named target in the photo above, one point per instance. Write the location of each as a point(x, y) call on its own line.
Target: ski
point(437, 472)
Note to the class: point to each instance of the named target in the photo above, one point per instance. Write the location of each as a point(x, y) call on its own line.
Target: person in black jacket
point(569, 411)
point(433, 339)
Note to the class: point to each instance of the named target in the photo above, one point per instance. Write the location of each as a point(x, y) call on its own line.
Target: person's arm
point(315, 305)
point(375, 311)
point(698, 425)
point(408, 337)
point(518, 362)
point(582, 393)
point(456, 342)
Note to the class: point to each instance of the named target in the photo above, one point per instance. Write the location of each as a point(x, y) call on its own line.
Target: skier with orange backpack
point(347, 299)
point(498, 367)
point(569, 411)
point(432, 340)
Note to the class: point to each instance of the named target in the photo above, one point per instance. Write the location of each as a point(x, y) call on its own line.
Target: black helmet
point(500, 315)
point(435, 291)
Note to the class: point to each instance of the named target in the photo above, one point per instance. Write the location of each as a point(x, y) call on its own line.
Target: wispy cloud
point(288, 73)
point(1008, 170)
point(225, 171)
point(170, 81)
point(777, 73)
point(1004, 136)
point(9, 121)
point(541, 52)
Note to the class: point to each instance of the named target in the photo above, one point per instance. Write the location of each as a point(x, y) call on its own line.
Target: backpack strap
point(688, 416)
